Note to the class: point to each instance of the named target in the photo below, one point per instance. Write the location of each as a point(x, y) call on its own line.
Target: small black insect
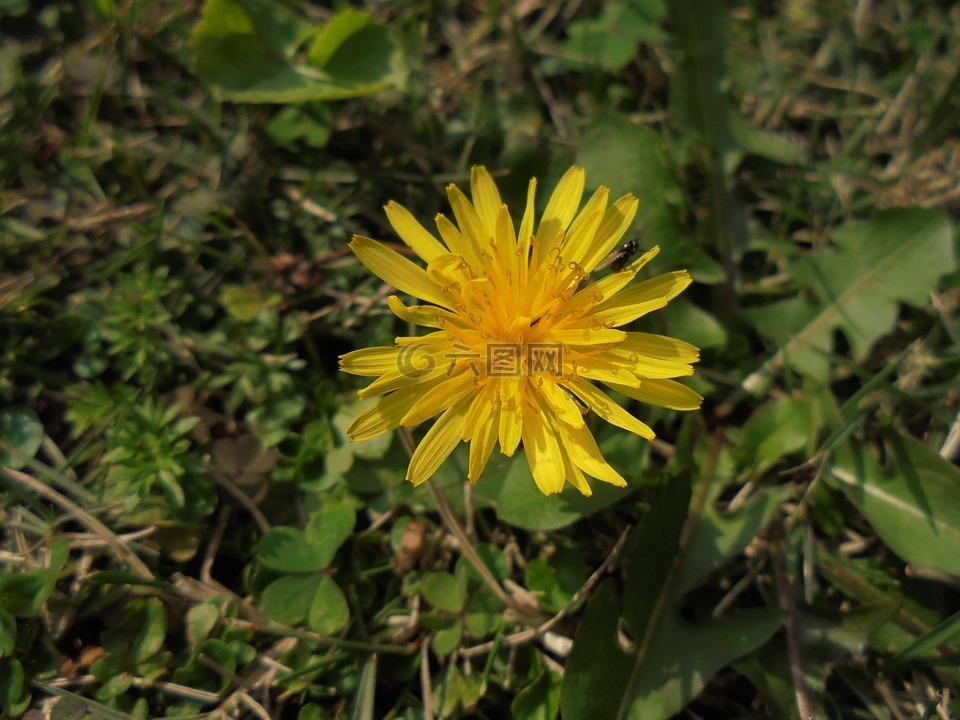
point(618, 259)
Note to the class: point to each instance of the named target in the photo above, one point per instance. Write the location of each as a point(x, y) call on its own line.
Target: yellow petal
point(525, 234)
point(511, 415)
point(481, 409)
point(385, 414)
point(660, 347)
point(416, 366)
point(606, 287)
point(561, 208)
point(458, 243)
point(439, 398)
point(662, 393)
point(396, 270)
point(484, 438)
point(576, 477)
point(371, 362)
point(585, 335)
point(486, 197)
point(638, 300)
point(644, 366)
point(468, 221)
point(616, 221)
point(560, 404)
point(605, 407)
point(580, 237)
point(424, 315)
point(438, 443)
point(594, 369)
point(412, 232)
point(582, 449)
point(542, 451)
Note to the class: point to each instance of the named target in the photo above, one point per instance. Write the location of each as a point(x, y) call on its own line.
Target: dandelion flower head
point(519, 334)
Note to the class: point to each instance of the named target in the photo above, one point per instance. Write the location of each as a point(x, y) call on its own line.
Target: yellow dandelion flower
point(520, 334)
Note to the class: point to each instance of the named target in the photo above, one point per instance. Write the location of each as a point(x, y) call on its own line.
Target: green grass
point(187, 531)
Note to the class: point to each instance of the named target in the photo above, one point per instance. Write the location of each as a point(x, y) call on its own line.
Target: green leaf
point(443, 591)
point(630, 158)
point(782, 426)
point(555, 579)
point(329, 612)
point(653, 547)
point(925, 646)
point(446, 639)
point(290, 599)
point(22, 431)
point(913, 502)
point(520, 503)
point(200, 621)
point(898, 256)
point(662, 662)
point(540, 700)
point(152, 618)
point(287, 549)
point(251, 51)
point(720, 535)
point(8, 633)
point(330, 526)
point(598, 669)
point(23, 594)
point(14, 698)
point(364, 702)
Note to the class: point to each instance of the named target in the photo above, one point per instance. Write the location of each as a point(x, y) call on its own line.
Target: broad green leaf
point(598, 668)
point(287, 549)
point(200, 621)
point(22, 431)
point(898, 256)
point(289, 599)
point(720, 536)
point(443, 590)
point(520, 503)
point(609, 675)
point(447, 639)
point(23, 594)
point(540, 700)
point(200, 675)
point(330, 526)
point(652, 549)
point(630, 158)
point(684, 657)
point(913, 502)
point(329, 612)
point(781, 426)
point(253, 51)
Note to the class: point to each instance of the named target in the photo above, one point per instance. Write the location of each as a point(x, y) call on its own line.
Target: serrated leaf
point(913, 502)
point(898, 256)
